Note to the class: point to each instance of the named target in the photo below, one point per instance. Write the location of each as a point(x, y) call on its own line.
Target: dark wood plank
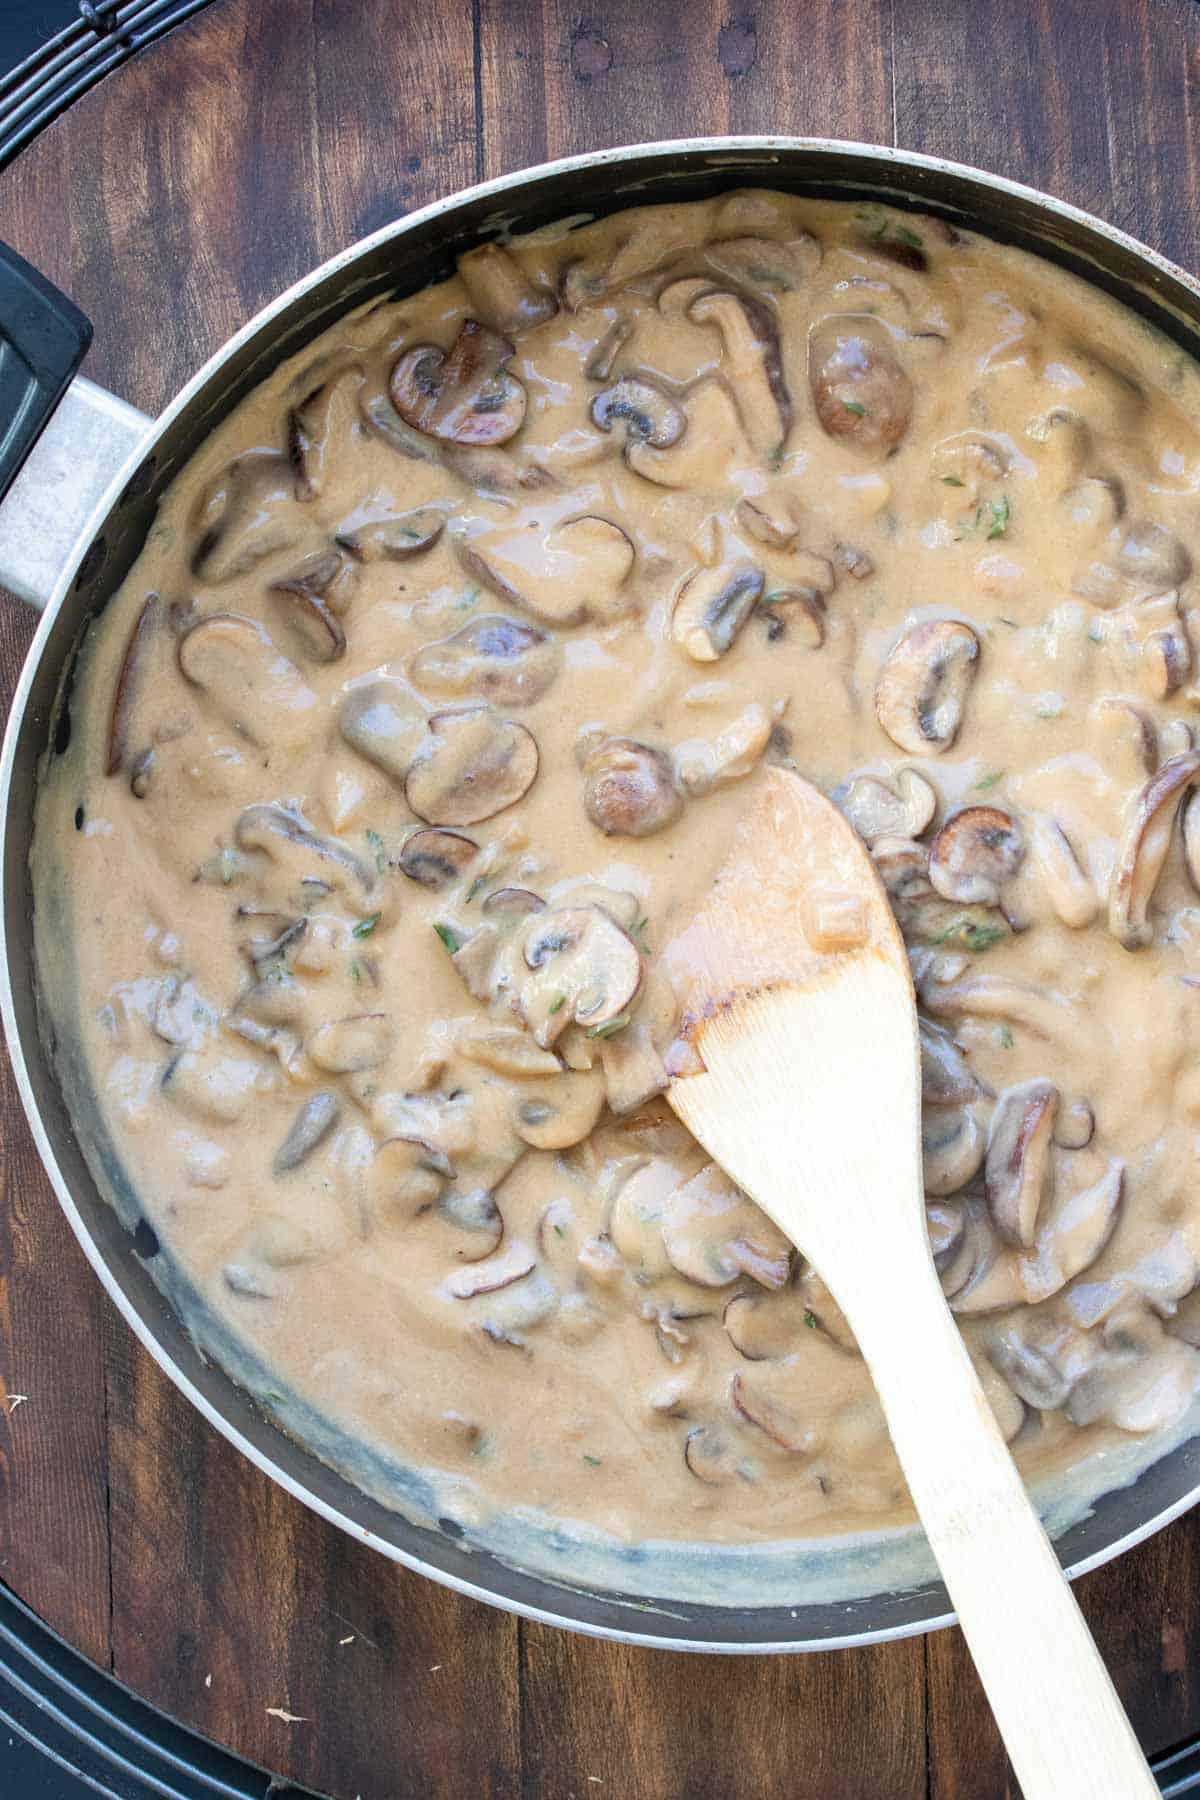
point(53, 1441)
point(172, 202)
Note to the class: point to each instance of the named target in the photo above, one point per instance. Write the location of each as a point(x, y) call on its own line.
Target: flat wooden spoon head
point(799, 1071)
point(799, 1058)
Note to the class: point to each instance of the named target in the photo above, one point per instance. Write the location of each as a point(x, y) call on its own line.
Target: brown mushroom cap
point(1018, 1158)
point(437, 859)
point(492, 658)
point(860, 392)
point(629, 788)
point(974, 854)
point(312, 1124)
point(472, 765)
point(464, 396)
point(952, 1148)
point(383, 721)
point(923, 685)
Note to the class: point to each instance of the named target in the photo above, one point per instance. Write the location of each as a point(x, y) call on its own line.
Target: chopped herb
point(639, 929)
point(595, 1461)
point(365, 927)
point(611, 1028)
point(1011, 623)
point(811, 1320)
point(449, 937)
point(356, 973)
point(557, 1004)
point(476, 888)
point(408, 531)
point(468, 600)
point(559, 1230)
point(1004, 1038)
point(201, 1015)
point(979, 938)
point(908, 236)
point(856, 407)
point(775, 456)
point(379, 847)
point(989, 781)
point(1000, 515)
point(370, 1091)
point(952, 481)
point(1052, 707)
point(482, 1445)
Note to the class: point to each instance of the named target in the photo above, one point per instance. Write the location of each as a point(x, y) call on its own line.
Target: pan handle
point(61, 440)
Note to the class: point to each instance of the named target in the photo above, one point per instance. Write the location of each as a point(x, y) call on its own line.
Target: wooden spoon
point(800, 1011)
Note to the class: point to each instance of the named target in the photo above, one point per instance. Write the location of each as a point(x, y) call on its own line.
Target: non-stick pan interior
point(404, 257)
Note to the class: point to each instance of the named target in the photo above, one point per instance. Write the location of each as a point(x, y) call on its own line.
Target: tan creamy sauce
point(420, 726)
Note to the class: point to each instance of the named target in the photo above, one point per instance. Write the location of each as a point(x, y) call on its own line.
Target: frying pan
point(75, 518)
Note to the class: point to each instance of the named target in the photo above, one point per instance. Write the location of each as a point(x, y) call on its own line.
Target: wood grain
point(171, 202)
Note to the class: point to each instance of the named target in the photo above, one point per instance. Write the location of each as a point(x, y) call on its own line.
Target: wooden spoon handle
point(1064, 1727)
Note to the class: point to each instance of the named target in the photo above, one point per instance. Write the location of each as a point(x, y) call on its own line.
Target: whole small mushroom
point(629, 788)
point(975, 853)
point(860, 393)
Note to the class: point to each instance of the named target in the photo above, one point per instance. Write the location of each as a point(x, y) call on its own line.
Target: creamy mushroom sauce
point(423, 720)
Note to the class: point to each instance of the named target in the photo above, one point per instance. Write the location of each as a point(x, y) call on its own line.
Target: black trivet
point(101, 37)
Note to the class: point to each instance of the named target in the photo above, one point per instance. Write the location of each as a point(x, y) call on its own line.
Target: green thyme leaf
point(449, 937)
point(557, 1004)
point(365, 927)
point(810, 1319)
point(595, 1461)
point(989, 781)
point(379, 847)
point(856, 407)
point(356, 972)
point(1001, 513)
point(909, 237)
point(1004, 1038)
point(952, 481)
point(611, 1028)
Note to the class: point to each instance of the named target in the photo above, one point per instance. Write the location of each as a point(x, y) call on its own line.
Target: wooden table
point(171, 203)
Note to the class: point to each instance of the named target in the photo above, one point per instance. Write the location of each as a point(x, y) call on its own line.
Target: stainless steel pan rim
point(624, 176)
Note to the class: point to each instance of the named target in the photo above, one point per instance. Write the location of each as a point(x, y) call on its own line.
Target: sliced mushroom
point(437, 859)
point(902, 807)
point(762, 1327)
point(974, 854)
point(712, 1234)
point(464, 396)
point(1143, 849)
point(1041, 1011)
point(856, 563)
point(321, 430)
point(510, 903)
point(299, 596)
point(648, 414)
point(635, 1220)
point(491, 658)
point(629, 788)
point(1018, 1158)
point(702, 764)
point(1078, 1222)
point(513, 1263)
point(922, 688)
point(554, 1115)
point(406, 1177)
point(604, 356)
point(129, 680)
point(1130, 745)
point(1149, 637)
point(247, 513)
point(471, 766)
point(347, 1046)
point(507, 1050)
point(256, 688)
point(634, 1072)
point(861, 394)
point(383, 721)
point(786, 608)
point(579, 570)
point(1142, 1381)
point(952, 1148)
point(946, 1076)
point(712, 606)
point(501, 293)
point(766, 262)
point(752, 363)
point(312, 1124)
point(1075, 1125)
point(579, 967)
point(1151, 554)
point(278, 830)
point(1072, 894)
point(473, 1222)
point(395, 538)
point(781, 1424)
point(712, 1456)
point(903, 867)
